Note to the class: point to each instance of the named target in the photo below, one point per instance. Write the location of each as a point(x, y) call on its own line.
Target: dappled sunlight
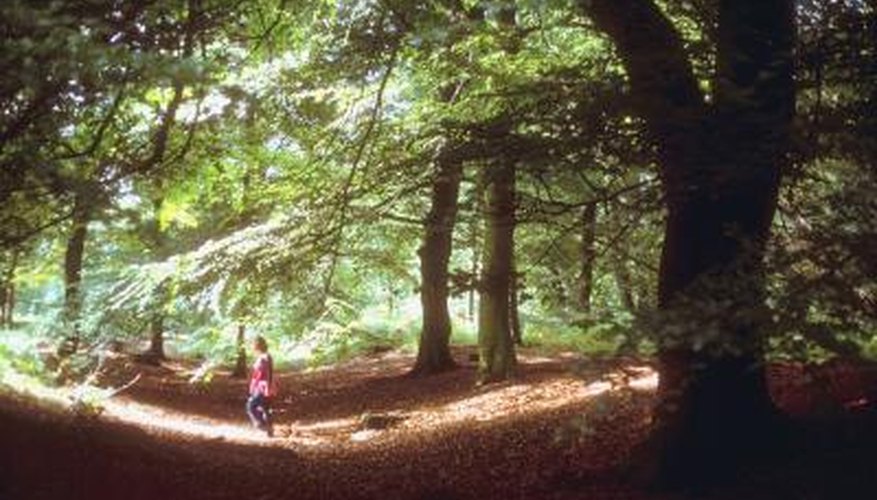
point(327, 425)
point(160, 420)
point(488, 403)
point(505, 401)
point(154, 418)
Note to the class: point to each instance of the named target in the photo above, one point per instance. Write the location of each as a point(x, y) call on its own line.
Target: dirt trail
point(559, 430)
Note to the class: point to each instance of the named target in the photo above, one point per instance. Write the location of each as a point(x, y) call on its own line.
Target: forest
point(565, 249)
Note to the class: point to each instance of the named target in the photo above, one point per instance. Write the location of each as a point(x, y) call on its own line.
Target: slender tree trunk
point(158, 241)
point(240, 365)
point(621, 273)
point(514, 280)
point(73, 260)
point(474, 239)
point(160, 143)
point(10, 305)
point(720, 167)
point(514, 313)
point(434, 354)
point(4, 290)
point(497, 352)
point(7, 293)
point(623, 284)
point(589, 254)
point(156, 338)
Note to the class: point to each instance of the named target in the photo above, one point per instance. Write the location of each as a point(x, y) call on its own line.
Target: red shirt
point(262, 377)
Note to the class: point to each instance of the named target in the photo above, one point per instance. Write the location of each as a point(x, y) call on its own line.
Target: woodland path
point(364, 429)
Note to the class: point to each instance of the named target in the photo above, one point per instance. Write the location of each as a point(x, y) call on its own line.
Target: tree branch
point(663, 84)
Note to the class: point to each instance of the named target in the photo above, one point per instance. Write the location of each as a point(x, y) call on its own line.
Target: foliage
point(268, 164)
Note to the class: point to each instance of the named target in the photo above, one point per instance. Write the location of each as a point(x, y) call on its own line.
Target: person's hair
point(260, 343)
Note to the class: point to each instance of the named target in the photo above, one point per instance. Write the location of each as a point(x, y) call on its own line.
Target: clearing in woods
point(563, 428)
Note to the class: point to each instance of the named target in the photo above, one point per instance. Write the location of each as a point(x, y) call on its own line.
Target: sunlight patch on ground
point(364, 435)
point(534, 398)
point(158, 419)
point(326, 426)
point(488, 404)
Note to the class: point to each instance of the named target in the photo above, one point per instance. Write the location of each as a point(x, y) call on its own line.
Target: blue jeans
point(258, 411)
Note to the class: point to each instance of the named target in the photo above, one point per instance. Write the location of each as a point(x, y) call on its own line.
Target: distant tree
point(588, 255)
point(9, 265)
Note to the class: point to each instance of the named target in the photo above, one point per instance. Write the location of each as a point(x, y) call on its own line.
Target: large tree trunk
point(434, 354)
point(713, 398)
point(73, 260)
point(497, 351)
point(720, 168)
point(713, 405)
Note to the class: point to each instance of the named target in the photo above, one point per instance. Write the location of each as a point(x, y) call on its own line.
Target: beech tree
point(496, 345)
point(434, 353)
point(721, 160)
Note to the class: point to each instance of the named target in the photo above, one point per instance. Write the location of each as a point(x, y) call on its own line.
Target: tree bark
point(73, 260)
point(160, 142)
point(589, 254)
point(434, 353)
point(10, 305)
point(514, 313)
point(240, 365)
point(497, 352)
point(156, 338)
point(621, 273)
point(4, 291)
point(474, 240)
point(158, 242)
point(7, 292)
point(720, 169)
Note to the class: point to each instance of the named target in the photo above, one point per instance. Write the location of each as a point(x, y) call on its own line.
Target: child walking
point(261, 388)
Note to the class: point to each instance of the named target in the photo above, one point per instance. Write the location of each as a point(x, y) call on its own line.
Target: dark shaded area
point(51, 455)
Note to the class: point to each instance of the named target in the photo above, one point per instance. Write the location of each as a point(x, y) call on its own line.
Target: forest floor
point(563, 428)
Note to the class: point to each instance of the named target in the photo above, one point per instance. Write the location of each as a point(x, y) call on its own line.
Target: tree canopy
point(690, 180)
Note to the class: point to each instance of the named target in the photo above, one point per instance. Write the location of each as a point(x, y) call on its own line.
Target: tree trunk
point(4, 291)
point(589, 254)
point(475, 269)
point(7, 292)
point(713, 405)
point(10, 305)
point(73, 260)
point(716, 398)
point(240, 365)
point(626, 295)
point(497, 352)
point(158, 242)
point(434, 354)
point(621, 273)
point(514, 313)
point(720, 167)
point(156, 338)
